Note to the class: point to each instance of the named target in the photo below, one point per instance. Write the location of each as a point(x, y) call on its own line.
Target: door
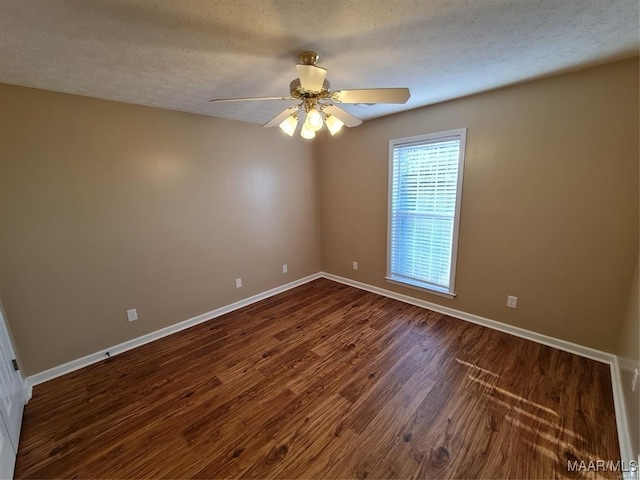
point(11, 403)
point(7, 453)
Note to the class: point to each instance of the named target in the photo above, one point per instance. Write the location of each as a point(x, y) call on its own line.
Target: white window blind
point(425, 188)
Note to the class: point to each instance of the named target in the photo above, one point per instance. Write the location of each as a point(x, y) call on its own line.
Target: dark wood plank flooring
point(324, 381)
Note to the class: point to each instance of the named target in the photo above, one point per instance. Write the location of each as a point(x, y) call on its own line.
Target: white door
point(11, 403)
point(7, 453)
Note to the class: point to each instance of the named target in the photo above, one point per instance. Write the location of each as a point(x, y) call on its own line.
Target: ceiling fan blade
point(372, 95)
point(311, 77)
point(277, 120)
point(345, 117)
point(248, 99)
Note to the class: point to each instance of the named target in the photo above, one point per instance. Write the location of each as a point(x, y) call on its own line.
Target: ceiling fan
point(318, 103)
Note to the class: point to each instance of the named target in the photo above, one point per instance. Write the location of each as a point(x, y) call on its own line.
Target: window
point(425, 186)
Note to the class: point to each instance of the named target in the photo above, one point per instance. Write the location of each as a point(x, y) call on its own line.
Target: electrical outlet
point(132, 314)
point(238, 282)
point(355, 265)
point(512, 302)
point(285, 269)
point(634, 382)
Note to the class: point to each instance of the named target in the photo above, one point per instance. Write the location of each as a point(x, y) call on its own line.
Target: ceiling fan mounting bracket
point(308, 57)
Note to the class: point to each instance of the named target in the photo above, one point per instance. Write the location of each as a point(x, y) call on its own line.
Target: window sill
point(420, 287)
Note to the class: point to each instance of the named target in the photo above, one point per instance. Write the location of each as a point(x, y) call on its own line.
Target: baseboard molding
point(570, 347)
point(626, 451)
point(79, 363)
point(591, 353)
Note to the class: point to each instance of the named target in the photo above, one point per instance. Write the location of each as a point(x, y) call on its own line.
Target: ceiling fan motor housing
point(296, 90)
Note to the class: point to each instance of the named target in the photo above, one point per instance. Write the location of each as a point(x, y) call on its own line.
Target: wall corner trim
point(622, 422)
point(28, 390)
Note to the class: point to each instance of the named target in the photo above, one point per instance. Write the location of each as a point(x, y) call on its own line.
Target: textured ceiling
point(179, 54)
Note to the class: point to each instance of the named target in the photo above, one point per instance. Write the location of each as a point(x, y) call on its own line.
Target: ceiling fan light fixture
point(319, 104)
point(306, 132)
point(314, 120)
point(289, 125)
point(334, 125)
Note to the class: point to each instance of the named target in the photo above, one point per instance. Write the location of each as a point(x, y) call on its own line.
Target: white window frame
point(460, 133)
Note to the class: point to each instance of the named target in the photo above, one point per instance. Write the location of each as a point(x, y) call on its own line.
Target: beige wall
point(628, 352)
point(106, 206)
point(549, 207)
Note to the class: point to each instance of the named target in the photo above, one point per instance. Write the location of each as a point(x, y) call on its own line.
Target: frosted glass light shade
point(289, 125)
point(314, 120)
point(333, 124)
point(306, 132)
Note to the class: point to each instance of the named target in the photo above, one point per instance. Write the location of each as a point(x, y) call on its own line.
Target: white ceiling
point(179, 54)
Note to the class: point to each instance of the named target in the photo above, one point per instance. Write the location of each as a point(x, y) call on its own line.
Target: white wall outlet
point(355, 265)
point(634, 382)
point(285, 269)
point(512, 302)
point(132, 314)
point(238, 282)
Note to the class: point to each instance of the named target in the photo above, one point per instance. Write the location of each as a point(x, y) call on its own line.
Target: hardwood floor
point(325, 381)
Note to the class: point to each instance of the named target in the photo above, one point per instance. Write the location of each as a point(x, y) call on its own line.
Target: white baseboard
point(621, 415)
point(626, 451)
point(79, 363)
point(587, 352)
